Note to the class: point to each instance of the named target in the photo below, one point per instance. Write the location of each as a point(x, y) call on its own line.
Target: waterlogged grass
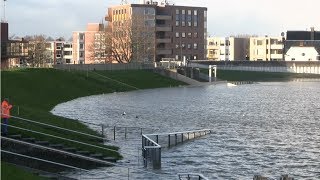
point(36, 91)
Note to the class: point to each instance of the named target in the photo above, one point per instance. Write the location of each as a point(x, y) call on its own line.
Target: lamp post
point(283, 45)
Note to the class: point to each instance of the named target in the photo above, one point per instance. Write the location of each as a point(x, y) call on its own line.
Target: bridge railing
point(153, 143)
point(190, 176)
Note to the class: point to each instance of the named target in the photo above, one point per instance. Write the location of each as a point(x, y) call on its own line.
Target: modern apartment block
point(266, 48)
point(84, 45)
point(178, 32)
point(302, 45)
point(228, 48)
point(60, 52)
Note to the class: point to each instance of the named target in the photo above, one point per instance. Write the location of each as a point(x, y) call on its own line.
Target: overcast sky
point(225, 17)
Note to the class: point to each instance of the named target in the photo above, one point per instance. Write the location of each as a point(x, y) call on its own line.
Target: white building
point(266, 48)
point(227, 48)
point(60, 52)
point(302, 54)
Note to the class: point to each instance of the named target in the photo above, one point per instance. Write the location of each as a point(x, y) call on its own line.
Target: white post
point(215, 71)
point(210, 72)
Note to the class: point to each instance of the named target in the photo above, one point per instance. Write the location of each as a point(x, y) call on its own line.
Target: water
point(266, 128)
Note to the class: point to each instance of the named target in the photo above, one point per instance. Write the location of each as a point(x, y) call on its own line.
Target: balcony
point(163, 17)
point(164, 51)
point(108, 18)
point(276, 46)
point(164, 40)
point(163, 28)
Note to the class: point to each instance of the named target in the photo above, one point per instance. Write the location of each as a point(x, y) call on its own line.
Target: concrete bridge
point(306, 67)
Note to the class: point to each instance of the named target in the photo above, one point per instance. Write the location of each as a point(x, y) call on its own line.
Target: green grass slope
point(37, 91)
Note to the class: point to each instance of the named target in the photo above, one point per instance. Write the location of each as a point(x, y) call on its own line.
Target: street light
point(283, 45)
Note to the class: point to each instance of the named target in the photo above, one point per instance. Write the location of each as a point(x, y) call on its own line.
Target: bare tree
point(129, 40)
point(39, 55)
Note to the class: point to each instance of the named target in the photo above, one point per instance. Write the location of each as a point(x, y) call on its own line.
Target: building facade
point(60, 52)
point(228, 48)
point(302, 45)
point(84, 46)
point(178, 32)
point(266, 48)
point(13, 52)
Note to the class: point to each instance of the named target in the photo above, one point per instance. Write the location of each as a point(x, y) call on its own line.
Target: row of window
point(188, 46)
point(221, 43)
point(189, 12)
point(189, 34)
point(186, 57)
point(119, 11)
point(188, 23)
point(272, 42)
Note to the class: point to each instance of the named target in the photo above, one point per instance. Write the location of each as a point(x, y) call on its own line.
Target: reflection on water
point(266, 128)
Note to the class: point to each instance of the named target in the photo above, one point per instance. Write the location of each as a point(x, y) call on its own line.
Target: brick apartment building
point(13, 52)
point(84, 45)
point(178, 32)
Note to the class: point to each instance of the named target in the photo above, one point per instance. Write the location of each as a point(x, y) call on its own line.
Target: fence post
point(175, 139)
point(125, 132)
point(182, 137)
point(114, 133)
point(18, 110)
point(102, 130)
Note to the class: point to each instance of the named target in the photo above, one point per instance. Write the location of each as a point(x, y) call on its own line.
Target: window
point(259, 42)
point(68, 61)
point(81, 36)
point(195, 46)
point(183, 11)
point(189, 23)
point(81, 54)
point(177, 11)
point(183, 23)
point(189, 35)
point(183, 46)
point(195, 57)
point(195, 35)
point(195, 23)
point(189, 46)
point(195, 12)
point(189, 12)
point(177, 57)
point(81, 46)
point(177, 46)
point(177, 34)
point(177, 23)
point(183, 34)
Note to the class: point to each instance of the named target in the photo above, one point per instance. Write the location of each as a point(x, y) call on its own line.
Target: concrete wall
point(90, 67)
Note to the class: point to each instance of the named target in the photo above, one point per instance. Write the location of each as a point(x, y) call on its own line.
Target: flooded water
point(265, 128)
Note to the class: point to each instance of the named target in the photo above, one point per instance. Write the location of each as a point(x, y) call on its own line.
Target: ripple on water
point(266, 128)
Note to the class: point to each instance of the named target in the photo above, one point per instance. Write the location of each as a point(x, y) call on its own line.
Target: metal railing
point(151, 148)
point(57, 127)
point(129, 169)
point(151, 151)
point(190, 176)
point(79, 170)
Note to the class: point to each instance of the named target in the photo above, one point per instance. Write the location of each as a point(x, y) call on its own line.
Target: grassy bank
point(259, 76)
point(37, 91)
point(12, 172)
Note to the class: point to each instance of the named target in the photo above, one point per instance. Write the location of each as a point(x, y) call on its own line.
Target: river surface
point(269, 128)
